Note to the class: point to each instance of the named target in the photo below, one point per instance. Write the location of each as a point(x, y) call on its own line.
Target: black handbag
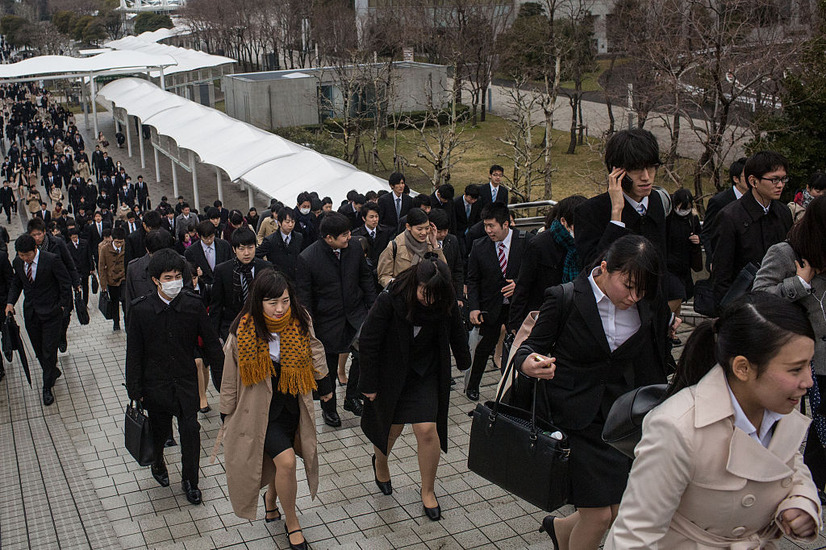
point(94, 284)
point(105, 305)
point(741, 285)
point(704, 298)
point(80, 309)
point(519, 452)
point(623, 426)
point(9, 340)
point(137, 434)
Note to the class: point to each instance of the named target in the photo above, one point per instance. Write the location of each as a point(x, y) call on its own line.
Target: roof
point(186, 59)
point(61, 66)
point(274, 166)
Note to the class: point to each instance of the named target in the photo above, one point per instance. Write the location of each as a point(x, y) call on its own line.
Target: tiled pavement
point(66, 480)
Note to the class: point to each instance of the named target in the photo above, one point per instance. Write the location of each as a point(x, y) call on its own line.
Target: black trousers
point(115, 297)
point(353, 377)
point(84, 288)
point(489, 331)
point(332, 367)
point(45, 335)
point(7, 209)
point(160, 417)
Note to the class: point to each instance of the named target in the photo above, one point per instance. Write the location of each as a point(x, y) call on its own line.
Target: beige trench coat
point(389, 267)
point(245, 426)
point(698, 483)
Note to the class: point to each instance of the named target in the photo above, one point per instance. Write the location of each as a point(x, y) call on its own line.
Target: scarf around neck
point(255, 364)
point(241, 272)
point(418, 249)
point(563, 238)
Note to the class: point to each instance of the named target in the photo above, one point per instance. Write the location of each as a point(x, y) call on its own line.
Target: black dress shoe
point(301, 545)
point(386, 487)
point(548, 526)
point(433, 514)
point(205, 410)
point(353, 404)
point(473, 395)
point(268, 512)
point(331, 418)
point(452, 381)
point(161, 474)
point(170, 442)
point(62, 345)
point(2, 373)
point(48, 397)
point(193, 494)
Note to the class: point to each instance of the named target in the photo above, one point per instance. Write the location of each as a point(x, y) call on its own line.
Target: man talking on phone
point(632, 158)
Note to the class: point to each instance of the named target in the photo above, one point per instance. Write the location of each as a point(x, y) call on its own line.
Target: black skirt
point(419, 399)
point(598, 472)
point(283, 422)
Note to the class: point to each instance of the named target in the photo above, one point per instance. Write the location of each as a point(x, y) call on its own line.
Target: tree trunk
point(675, 139)
point(485, 92)
point(581, 140)
point(572, 144)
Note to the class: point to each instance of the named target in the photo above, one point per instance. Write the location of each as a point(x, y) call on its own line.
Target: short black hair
point(736, 169)
point(131, 215)
point(632, 150)
point(496, 211)
point(351, 195)
point(333, 224)
point(439, 218)
point(217, 204)
point(359, 199)
point(243, 236)
point(118, 233)
point(395, 179)
point(152, 219)
point(303, 197)
point(817, 181)
point(35, 224)
point(494, 168)
point(763, 162)
point(184, 205)
point(163, 261)
point(421, 200)
point(367, 207)
point(446, 191)
point(205, 229)
point(236, 217)
point(416, 216)
point(25, 243)
point(566, 208)
point(326, 200)
point(472, 191)
point(74, 231)
point(213, 213)
point(158, 239)
point(283, 213)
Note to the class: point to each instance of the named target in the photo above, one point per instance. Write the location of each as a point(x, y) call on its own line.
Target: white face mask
point(682, 211)
point(304, 211)
point(172, 288)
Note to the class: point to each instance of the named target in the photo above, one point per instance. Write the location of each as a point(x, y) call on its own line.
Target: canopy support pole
point(157, 167)
point(140, 143)
point(251, 195)
point(174, 180)
point(94, 104)
point(220, 184)
point(128, 133)
point(83, 99)
point(163, 80)
point(195, 194)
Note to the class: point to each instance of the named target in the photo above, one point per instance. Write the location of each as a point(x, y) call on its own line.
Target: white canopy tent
point(264, 162)
point(186, 59)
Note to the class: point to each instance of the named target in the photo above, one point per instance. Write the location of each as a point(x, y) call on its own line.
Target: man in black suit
point(466, 210)
point(336, 286)
point(352, 208)
point(141, 193)
point(44, 214)
point(739, 186)
point(376, 235)
point(126, 193)
point(494, 191)
point(233, 279)
point(443, 198)
point(45, 280)
point(135, 247)
point(394, 205)
point(452, 250)
point(82, 258)
point(168, 222)
point(7, 199)
point(94, 233)
point(632, 158)
point(492, 268)
point(283, 247)
point(163, 333)
point(208, 252)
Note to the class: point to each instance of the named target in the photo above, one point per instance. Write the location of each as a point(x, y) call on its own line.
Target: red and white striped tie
point(503, 259)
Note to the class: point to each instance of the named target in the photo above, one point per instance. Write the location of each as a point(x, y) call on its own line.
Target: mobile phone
point(626, 183)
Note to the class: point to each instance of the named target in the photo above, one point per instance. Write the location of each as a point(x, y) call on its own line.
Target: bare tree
point(522, 126)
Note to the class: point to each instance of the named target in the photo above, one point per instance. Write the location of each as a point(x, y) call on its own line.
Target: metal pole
point(163, 81)
point(140, 144)
point(83, 102)
point(220, 184)
point(157, 167)
point(174, 180)
point(195, 195)
point(251, 195)
point(94, 105)
point(128, 133)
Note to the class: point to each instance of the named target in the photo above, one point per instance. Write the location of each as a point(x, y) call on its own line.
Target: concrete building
point(306, 97)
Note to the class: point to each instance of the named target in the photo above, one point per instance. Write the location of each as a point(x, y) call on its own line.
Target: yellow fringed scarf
point(254, 362)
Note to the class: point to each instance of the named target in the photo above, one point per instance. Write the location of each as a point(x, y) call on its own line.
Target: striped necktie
point(29, 272)
point(503, 259)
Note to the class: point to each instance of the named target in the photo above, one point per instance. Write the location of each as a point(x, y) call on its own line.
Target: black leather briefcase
point(138, 434)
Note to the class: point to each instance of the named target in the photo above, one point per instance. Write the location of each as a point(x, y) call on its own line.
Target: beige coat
point(269, 226)
point(389, 266)
point(245, 427)
point(698, 483)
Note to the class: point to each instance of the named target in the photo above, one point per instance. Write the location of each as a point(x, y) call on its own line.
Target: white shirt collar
point(164, 300)
point(635, 204)
point(285, 236)
point(760, 204)
point(737, 192)
point(507, 240)
point(205, 246)
point(36, 257)
point(770, 418)
point(598, 293)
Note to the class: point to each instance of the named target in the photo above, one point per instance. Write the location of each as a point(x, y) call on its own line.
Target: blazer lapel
point(514, 255)
point(587, 307)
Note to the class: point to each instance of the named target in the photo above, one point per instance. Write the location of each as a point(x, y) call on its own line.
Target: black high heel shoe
point(386, 487)
point(433, 514)
point(266, 512)
point(548, 526)
point(301, 545)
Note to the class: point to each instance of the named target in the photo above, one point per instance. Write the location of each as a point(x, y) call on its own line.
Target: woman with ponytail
point(719, 464)
point(273, 362)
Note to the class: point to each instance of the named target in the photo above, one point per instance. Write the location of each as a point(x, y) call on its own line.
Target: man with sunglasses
point(747, 227)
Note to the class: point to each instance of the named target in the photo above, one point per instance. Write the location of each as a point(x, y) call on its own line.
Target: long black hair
point(270, 284)
point(756, 326)
point(434, 274)
point(808, 236)
point(637, 257)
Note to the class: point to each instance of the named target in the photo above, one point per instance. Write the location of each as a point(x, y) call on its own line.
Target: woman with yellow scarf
point(273, 363)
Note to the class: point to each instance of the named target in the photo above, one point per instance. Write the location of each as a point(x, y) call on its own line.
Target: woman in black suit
point(405, 349)
point(615, 339)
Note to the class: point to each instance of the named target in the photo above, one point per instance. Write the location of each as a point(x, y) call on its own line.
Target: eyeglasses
point(784, 180)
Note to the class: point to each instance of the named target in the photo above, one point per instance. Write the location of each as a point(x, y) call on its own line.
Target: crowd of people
point(275, 307)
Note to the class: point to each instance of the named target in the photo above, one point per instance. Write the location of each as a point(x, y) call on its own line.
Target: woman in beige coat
point(719, 464)
point(273, 362)
point(409, 247)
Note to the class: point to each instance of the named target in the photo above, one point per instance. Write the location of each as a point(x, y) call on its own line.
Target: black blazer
point(485, 196)
point(744, 234)
point(589, 376)
point(134, 247)
point(715, 205)
point(224, 307)
point(81, 256)
point(354, 217)
point(541, 269)
point(195, 254)
point(283, 258)
point(459, 214)
point(484, 276)
point(377, 245)
point(387, 210)
point(448, 208)
point(50, 291)
point(456, 262)
point(337, 293)
point(595, 232)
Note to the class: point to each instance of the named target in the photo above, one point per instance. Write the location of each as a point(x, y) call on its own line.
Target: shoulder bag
point(138, 434)
point(623, 426)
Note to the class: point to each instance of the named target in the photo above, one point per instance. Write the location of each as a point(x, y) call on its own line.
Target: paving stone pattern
point(68, 482)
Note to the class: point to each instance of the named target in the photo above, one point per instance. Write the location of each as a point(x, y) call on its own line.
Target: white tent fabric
point(274, 166)
point(113, 62)
point(187, 60)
